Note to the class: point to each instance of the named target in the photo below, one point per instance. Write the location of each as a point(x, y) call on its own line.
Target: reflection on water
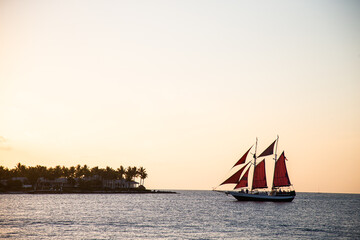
point(187, 215)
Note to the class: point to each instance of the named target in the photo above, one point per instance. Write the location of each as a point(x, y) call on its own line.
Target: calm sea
point(187, 215)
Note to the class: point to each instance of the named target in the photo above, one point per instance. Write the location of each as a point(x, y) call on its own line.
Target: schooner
point(281, 189)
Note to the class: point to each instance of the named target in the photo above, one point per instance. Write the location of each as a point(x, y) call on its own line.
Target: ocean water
point(187, 215)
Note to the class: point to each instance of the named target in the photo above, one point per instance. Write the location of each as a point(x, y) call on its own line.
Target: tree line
point(51, 173)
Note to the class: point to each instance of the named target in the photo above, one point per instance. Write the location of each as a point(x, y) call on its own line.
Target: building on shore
point(67, 184)
point(118, 183)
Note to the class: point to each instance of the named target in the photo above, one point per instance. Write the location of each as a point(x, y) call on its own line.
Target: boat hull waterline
point(240, 196)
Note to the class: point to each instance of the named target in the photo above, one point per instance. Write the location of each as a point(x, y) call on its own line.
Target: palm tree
point(110, 173)
point(134, 172)
point(85, 171)
point(20, 170)
point(130, 174)
point(121, 171)
point(32, 174)
point(41, 170)
point(58, 172)
point(65, 172)
point(4, 173)
point(95, 171)
point(72, 171)
point(143, 174)
point(78, 172)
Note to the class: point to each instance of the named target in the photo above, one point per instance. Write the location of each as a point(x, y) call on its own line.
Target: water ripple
point(188, 215)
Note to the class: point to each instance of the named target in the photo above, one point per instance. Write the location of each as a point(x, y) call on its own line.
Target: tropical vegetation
point(72, 174)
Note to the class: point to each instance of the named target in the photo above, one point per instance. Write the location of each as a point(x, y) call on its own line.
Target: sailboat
point(281, 189)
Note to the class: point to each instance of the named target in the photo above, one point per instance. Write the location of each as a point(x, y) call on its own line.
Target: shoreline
point(90, 192)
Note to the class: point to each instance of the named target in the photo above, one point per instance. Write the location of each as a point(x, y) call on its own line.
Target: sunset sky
point(183, 88)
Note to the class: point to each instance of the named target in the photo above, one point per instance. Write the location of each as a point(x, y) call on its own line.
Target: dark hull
point(240, 196)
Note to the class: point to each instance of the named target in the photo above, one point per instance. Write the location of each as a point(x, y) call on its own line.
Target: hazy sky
point(183, 88)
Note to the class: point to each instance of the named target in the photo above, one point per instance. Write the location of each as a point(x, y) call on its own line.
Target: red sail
point(243, 158)
point(235, 177)
point(268, 151)
point(259, 180)
point(281, 178)
point(243, 181)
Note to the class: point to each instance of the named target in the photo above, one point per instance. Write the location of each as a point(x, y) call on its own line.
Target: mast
point(277, 142)
point(259, 171)
point(254, 162)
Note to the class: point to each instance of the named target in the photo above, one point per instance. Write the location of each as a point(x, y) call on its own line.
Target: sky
point(183, 88)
